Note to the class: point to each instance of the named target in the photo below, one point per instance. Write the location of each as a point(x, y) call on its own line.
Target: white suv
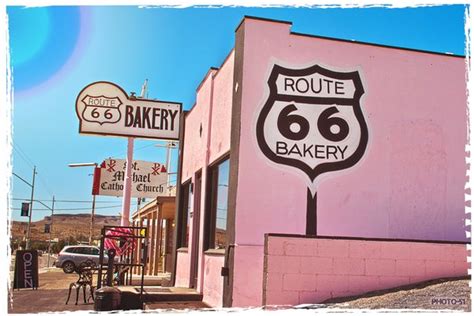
point(72, 256)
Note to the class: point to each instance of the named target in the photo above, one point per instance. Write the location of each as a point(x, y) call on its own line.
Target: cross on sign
point(155, 169)
point(111, 165)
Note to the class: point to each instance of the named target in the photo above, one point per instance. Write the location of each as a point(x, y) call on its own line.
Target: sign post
point(313, 124)
point(31, 209)
point(128, 185)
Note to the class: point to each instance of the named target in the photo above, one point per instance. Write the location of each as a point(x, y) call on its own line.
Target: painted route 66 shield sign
point(312, 120)
point(101, 109)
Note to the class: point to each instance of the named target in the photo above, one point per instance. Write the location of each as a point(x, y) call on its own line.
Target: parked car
point(72, 256)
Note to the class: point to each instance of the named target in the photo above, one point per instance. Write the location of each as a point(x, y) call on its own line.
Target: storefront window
point(219, 180)
point(186, 213)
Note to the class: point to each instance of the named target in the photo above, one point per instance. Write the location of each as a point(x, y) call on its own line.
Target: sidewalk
point(52, 294)
point(50, 297)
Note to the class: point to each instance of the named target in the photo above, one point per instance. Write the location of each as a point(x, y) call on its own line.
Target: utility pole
point(50, 230)
point(95, 165)
point(31, 209)
point(139, 201)
point(91, 230)
point(169, 145)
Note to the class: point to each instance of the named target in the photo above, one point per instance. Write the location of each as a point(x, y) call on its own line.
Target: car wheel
point(68, 267)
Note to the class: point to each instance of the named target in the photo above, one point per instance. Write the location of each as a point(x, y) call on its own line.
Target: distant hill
point(64, 226)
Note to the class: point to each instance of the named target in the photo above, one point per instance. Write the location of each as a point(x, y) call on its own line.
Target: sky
point(57, 51)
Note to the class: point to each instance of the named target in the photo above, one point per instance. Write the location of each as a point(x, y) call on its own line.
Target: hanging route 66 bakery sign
point(104, 108)
point(312, 120)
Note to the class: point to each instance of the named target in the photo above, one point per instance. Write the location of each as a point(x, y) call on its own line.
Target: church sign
point(149, 179)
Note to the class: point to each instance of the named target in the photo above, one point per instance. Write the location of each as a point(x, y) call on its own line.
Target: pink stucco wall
point(213, 282)
point(248, 278)
point(194, 153)
point(410, 184)
point(222, 109)
point(312, 270)
point(218, 85)
point(182, 273)
point(212, 114)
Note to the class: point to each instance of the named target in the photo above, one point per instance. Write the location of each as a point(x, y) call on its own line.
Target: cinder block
point(380, 267)
point(298, 248)
point(333, 248)
point(456, 252)
point(395, 250)
point(363, 283)
point(283, 264)
point(274, 281)
point(314, 297)
point(316, 265)
point(388, 282)
point(439, 269)
point(349, 266)
point(339, 294)
point(331, 283)
point(282, 298)
point(299, 282)
point(364, 249)
point(461, 267)
point(410, 268)
point(276, 246)
point(427, 251)
point(418, 279)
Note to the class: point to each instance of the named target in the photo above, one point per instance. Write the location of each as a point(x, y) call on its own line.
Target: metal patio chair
point(85, 271)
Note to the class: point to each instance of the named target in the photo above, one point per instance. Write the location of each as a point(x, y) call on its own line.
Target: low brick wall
point(300, 270)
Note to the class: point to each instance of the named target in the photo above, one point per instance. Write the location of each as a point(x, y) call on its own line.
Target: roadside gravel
point(450, 294)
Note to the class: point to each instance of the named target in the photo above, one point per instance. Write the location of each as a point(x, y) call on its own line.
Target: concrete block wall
point(299, 270)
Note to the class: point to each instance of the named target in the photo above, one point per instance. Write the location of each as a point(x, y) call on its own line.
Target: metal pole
point(50, 231)
point(168, 163)
point(128, 185)
point(127, 190)
point(91, 230)
point(31, 209)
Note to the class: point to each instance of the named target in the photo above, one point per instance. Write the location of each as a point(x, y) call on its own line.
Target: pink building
point(314, 168)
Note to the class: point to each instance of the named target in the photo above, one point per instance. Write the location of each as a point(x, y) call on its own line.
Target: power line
point(139, 148)
point(22, 155)
point(64, 201)
point(72, 209)
point(44, 183)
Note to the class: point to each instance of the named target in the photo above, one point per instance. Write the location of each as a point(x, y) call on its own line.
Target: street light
point(88, 164)
point(85, 164)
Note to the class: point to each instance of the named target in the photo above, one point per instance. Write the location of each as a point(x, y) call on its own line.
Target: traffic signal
point(25, 207)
